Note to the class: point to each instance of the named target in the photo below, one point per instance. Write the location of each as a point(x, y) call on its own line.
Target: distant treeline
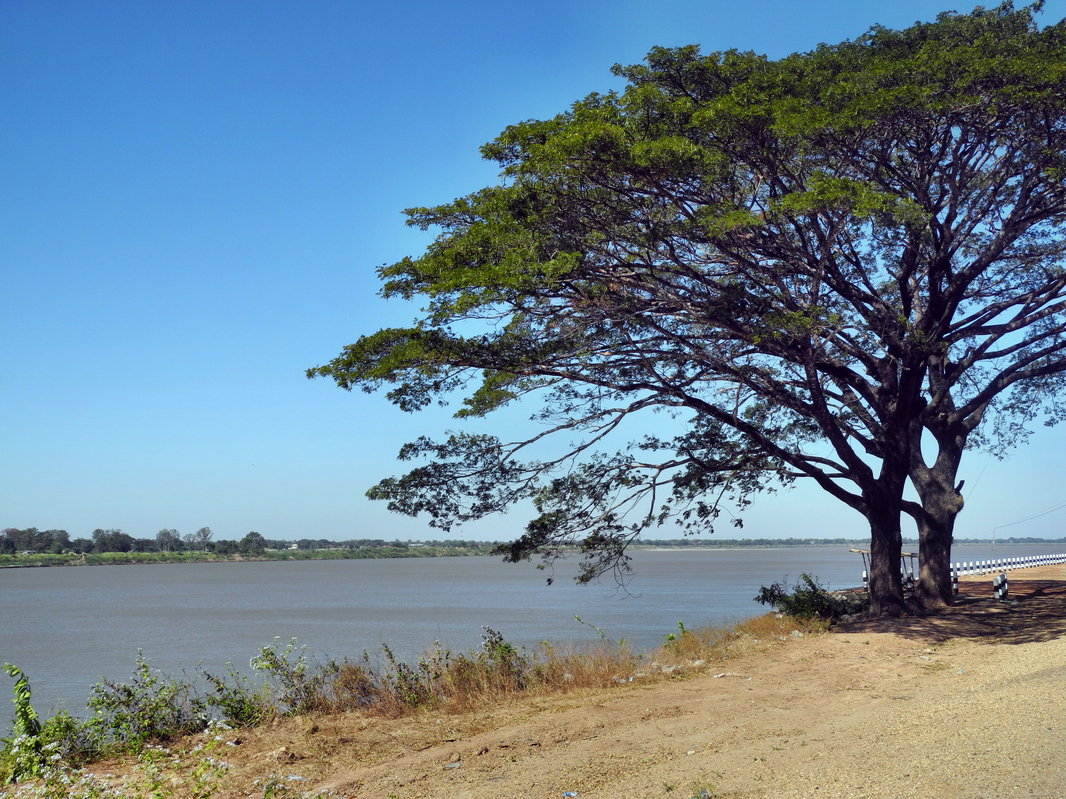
point(32, 541)
point(120, 558)
point(47, 547)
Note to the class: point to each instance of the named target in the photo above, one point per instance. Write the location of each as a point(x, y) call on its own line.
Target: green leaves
point(26, 721)
point(824, 193)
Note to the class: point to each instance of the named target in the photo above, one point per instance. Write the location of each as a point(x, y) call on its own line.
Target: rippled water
point(68, 627)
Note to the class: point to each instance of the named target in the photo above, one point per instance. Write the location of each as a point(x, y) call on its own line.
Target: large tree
point(812, 264)
point(201, 539)
point(111, 541)
point(168, 540)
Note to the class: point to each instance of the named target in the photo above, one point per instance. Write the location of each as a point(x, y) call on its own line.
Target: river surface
point(67, 627)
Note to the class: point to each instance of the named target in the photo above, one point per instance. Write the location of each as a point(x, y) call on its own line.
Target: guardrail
point(966, 569)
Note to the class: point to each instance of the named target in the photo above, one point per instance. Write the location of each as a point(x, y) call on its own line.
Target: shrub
point(240, 705)
point(505, 666)
point(297, 687)
point(806, 600)
point(151, 707)
point(73, 740)
point(159, 773)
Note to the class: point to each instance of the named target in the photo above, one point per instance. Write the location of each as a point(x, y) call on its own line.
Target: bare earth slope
point(971, 703)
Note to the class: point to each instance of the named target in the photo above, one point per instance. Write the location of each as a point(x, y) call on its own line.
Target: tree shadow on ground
point(1034, 612)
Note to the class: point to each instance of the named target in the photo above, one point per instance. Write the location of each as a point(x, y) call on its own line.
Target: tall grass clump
point(439, 678)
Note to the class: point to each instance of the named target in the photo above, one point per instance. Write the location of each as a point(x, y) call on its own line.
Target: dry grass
point(457, 683)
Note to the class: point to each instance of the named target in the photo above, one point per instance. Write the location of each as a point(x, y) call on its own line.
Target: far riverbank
point(473, 549)
point(34, 560)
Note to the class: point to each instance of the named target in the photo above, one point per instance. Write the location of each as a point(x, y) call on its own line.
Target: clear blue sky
point(194, 199)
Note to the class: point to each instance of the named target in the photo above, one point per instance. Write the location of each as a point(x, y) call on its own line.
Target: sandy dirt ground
point(968, 703)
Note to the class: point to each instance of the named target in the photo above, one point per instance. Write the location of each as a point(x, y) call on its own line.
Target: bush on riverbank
point(809, 600)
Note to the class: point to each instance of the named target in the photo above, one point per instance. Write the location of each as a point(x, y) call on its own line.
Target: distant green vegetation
point(33, 547)
point(119, 558)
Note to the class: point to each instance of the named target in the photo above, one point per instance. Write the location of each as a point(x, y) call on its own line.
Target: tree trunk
point(934, 562)
point(941, 503)
point(886, 543)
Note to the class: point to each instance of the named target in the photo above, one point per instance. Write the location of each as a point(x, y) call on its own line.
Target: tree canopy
point(811, 263)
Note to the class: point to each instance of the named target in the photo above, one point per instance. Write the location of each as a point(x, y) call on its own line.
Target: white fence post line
point(971, 568)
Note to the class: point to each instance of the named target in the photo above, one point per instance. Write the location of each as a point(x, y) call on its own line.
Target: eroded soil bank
point(969, 703)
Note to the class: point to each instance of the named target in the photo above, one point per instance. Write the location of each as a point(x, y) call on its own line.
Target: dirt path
point(971, 703)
